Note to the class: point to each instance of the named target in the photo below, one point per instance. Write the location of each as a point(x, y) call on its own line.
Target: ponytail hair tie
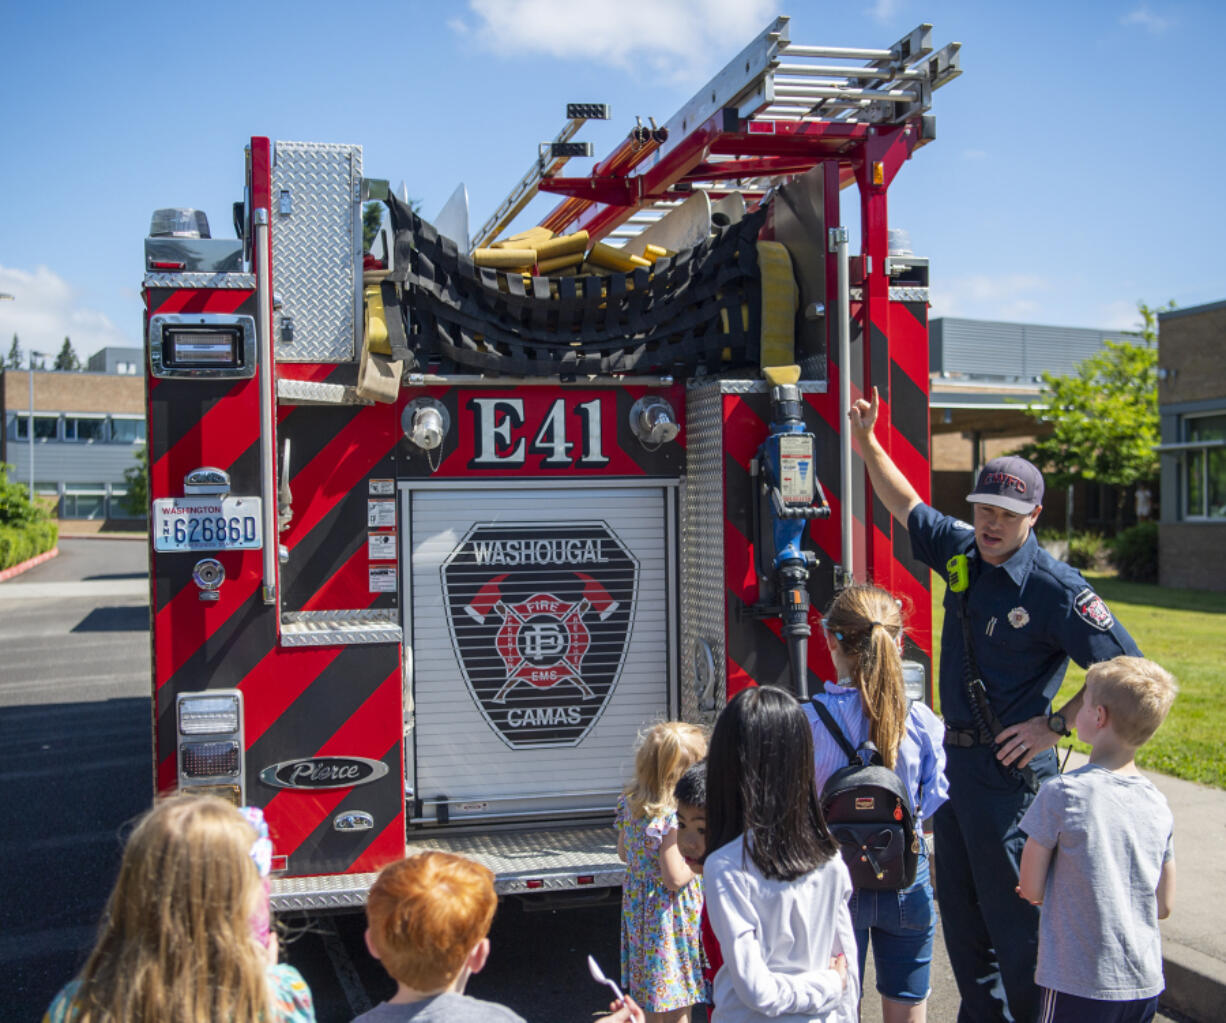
point(875, 625)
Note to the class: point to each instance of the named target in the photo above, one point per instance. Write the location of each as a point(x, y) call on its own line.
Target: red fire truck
point(435, 535)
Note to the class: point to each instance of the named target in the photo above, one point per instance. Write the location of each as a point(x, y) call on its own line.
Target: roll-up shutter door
point(539, 643)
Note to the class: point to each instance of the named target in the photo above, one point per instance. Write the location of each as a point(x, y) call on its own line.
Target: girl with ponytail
point(864, 632)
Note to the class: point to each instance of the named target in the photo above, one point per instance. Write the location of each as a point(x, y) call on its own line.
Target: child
point(428, 920)
point(691, 795)
point(661, 955)
point(863, 630)
point(1099, 858)
point(777, 888)
point(185, 932)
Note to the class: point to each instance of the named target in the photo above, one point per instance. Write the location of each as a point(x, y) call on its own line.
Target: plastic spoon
point(598, 976)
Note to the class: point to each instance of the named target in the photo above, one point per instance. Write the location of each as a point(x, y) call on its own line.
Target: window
point(1204, 468)
point(45, 427)
point(85, 428)
point(118, 506)
point(128, 431)
point(84, 501)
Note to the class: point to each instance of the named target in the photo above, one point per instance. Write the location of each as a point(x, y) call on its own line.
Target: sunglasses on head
point(832, 630)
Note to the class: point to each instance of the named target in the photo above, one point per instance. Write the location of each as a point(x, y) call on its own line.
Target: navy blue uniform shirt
point(1028, 617)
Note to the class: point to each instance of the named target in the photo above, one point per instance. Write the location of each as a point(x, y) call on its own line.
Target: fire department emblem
point(1092, 610)
point(540, 617)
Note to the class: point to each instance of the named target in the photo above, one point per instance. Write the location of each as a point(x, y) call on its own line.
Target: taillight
point(208, 714)
point(209, 759)
point(209, 743)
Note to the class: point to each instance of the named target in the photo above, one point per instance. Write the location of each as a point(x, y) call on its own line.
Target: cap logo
point(1004, 480)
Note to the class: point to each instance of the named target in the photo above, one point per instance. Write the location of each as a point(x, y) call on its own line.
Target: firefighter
point(1014, 616)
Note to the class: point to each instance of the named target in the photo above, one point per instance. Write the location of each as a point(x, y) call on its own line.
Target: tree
point(14, 359)
point(1103, 420)
point(1149, 321)
point(136, 500)
point(67, 360)
point(15, 506)
point(372, 219)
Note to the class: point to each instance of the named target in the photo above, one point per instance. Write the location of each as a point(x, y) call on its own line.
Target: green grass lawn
point(1185, 632)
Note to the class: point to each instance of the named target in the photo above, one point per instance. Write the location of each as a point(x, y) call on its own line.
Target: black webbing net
point(696, 312)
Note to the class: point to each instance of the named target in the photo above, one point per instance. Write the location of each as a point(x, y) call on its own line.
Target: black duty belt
point(963, 738)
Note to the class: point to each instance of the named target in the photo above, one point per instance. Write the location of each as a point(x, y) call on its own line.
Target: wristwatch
point(1058, 725)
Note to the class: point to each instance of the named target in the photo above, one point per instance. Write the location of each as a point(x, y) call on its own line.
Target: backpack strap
point(833, 728)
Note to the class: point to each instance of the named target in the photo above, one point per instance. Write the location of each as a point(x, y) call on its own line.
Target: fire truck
point(437, 531)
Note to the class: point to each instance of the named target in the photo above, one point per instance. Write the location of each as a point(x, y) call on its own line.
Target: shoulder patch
point(1091, 608)
point(960, 524)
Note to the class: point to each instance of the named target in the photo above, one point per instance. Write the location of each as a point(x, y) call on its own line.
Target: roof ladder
point(774, 111)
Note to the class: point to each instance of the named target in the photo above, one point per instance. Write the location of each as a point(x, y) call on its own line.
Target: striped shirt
point(921, 754)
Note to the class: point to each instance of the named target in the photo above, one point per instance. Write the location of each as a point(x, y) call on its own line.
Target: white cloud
point(974, 154)
point(885, 11)
point(1119, 315)
point(670, 37)
point(982, 296)
point(1143, 17)
point(45, 310)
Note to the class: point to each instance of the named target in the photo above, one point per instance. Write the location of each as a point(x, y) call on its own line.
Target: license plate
point(207, 524)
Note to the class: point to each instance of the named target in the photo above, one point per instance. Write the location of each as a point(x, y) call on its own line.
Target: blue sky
point(1077, 166)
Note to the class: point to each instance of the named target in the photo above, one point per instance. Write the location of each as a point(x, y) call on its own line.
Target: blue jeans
point(901, 926)
point(991, 934)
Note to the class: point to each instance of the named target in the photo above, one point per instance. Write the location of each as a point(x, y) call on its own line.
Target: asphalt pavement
point(74, 727)
point(74, 723)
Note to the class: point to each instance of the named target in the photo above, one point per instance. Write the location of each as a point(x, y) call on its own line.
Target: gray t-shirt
point(1098, 929)
point(444, 1008)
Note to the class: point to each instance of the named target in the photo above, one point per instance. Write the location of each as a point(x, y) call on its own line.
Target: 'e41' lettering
point(500, 435)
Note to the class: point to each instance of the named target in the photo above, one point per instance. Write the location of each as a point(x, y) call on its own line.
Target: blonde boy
point(428, 918)
point(1099, 857)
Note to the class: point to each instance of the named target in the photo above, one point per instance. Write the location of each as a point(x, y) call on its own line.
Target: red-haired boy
point(428, 922)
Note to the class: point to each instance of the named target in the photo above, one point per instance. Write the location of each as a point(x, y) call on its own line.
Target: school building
point(984, 374)
point(1192, 408)
point(87, 429)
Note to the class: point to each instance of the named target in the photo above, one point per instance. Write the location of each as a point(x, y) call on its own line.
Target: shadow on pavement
point(124, 618)
point(103, 577)
point(74, 776)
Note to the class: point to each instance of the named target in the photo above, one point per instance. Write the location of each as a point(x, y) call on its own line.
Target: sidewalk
point(1194, 936)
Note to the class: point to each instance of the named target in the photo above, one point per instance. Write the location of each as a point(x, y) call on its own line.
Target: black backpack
point(868, 811)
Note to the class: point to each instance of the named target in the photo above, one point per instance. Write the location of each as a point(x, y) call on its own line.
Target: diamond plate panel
point(245, 282)
point(761, 387)
point(365, 615)
point(557, 858)
point(896, 294)
point(702, 552)
point(338, 628)
point(316, 249)
point(309, 392)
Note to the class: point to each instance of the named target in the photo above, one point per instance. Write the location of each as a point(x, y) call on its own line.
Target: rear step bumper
point(523, 862)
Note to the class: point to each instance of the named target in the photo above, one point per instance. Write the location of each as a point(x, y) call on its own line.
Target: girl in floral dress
point(661, 949)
